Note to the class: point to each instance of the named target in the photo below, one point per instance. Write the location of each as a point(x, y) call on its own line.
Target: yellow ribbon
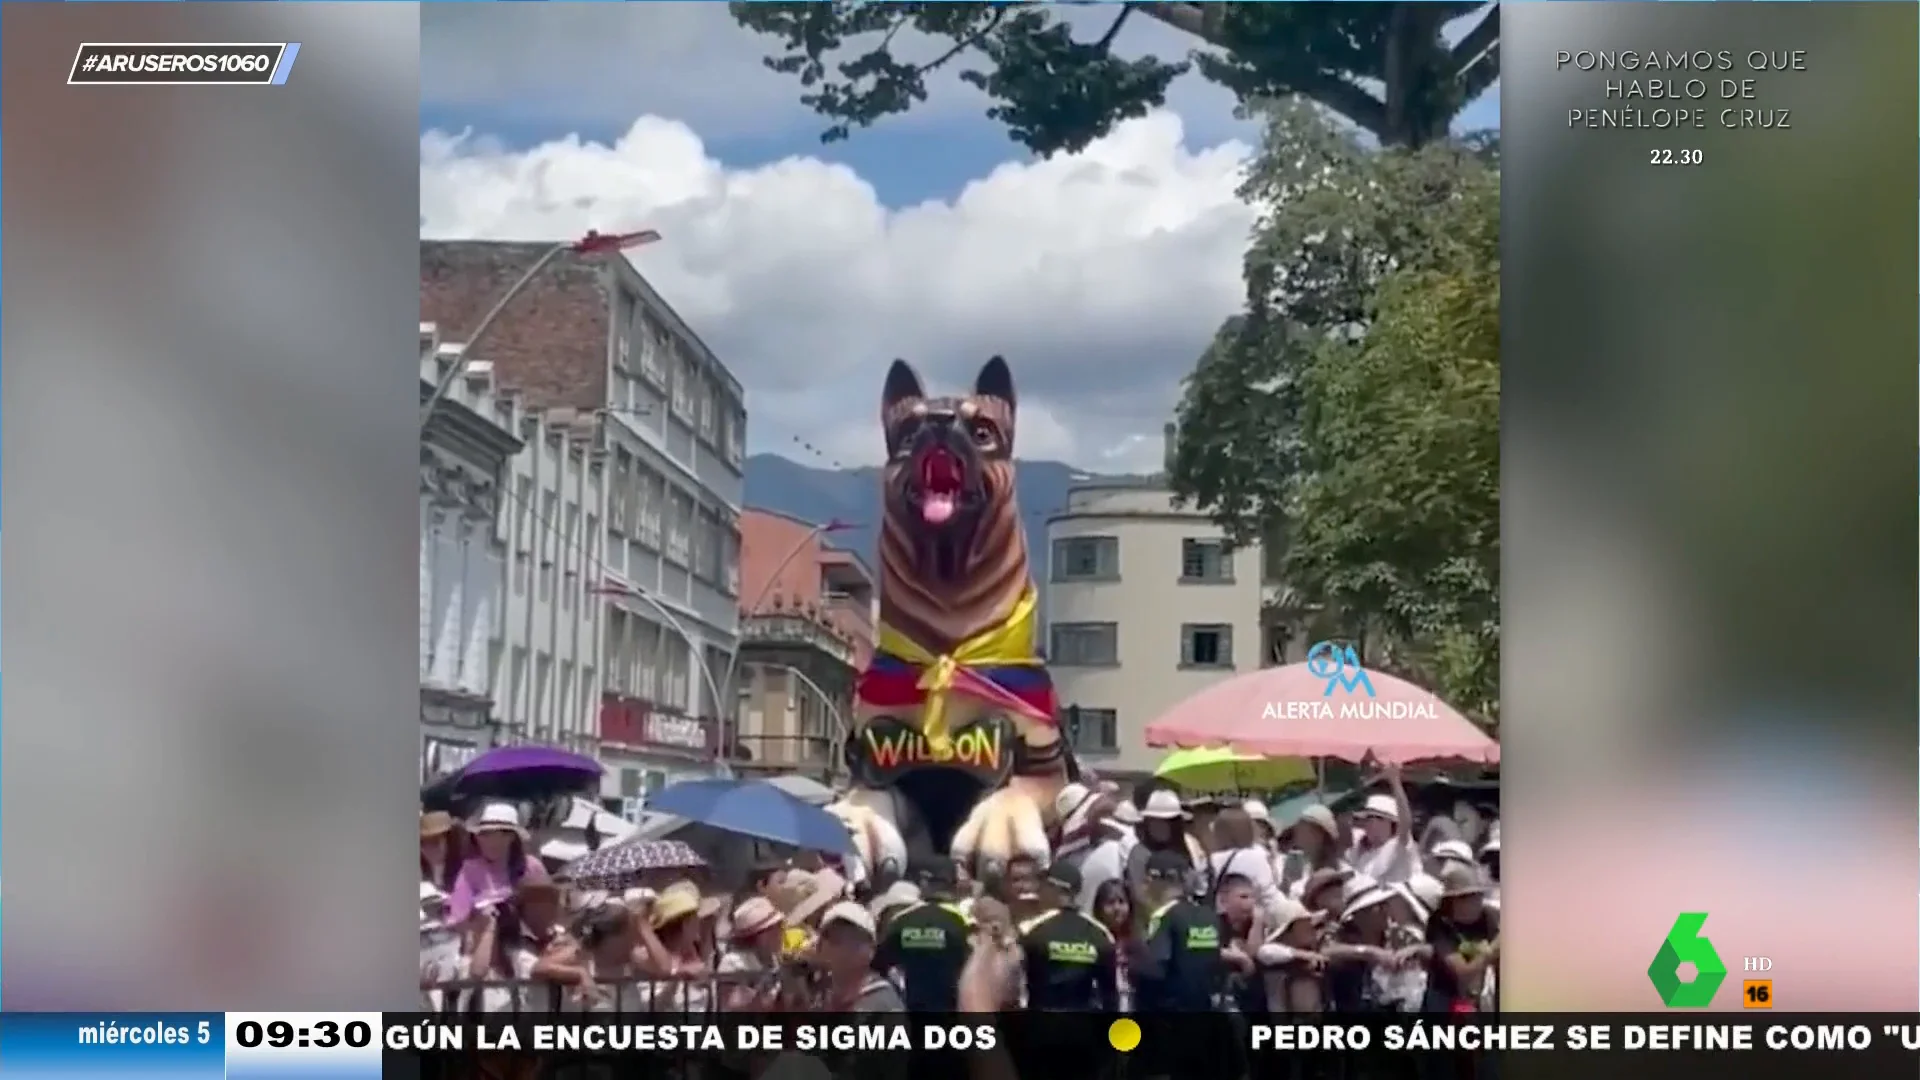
point(1008, 645)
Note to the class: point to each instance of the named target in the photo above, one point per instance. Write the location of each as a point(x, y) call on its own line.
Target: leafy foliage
point(1056, 93)
point(1352, 415)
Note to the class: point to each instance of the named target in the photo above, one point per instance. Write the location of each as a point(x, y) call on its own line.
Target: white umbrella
point(566, 840)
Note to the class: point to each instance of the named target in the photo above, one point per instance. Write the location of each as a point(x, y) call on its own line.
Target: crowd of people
point(1151, 904)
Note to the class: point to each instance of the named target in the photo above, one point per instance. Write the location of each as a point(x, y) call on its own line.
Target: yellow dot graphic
point(1124, 1035)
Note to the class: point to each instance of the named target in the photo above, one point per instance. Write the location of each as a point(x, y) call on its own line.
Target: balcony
point(797, 629)
point(636, 723)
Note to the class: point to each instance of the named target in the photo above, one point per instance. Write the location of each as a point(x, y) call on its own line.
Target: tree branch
point(968, 42)
point(1469, 50)
point(1113, 31)
point(1189, 18)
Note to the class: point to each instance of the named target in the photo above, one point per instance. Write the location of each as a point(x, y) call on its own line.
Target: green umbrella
point(1220, 769)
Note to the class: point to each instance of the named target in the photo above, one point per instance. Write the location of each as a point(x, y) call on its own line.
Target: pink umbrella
point(1322, 709)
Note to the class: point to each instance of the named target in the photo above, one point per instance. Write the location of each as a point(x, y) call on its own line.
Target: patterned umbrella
point(620, 866)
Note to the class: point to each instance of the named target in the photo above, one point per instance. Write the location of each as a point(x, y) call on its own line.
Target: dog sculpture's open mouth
point(942, 480)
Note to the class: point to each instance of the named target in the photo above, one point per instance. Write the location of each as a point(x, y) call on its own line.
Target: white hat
point(1257, 810)
point(1456, 850)
point(1126, 813)
point(1493, 840)
point(1072, 806)
point(1421, 910)
point(898, 895)
point(1164, 805)
point(497, 817)
point(1426, 889)
point(1380, 806)
point(846, 911)
point(1373, 897)
point(430, 892)
point(1286, 911)
point(1320, 818)
point(1354, 886)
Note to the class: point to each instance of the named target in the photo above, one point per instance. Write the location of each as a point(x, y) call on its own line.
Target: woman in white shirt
point(1237, 852)
point(1385, 851)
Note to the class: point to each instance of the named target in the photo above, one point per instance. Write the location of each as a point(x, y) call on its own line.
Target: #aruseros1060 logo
point(1350, 693)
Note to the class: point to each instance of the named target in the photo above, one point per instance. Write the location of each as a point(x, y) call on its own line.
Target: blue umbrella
point(755, 808)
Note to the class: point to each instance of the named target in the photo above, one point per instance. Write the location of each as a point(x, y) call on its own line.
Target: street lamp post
point(593, 243)
point(694, 650)
point(752, 607)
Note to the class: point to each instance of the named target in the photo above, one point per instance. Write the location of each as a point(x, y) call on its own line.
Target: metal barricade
point(537, 997)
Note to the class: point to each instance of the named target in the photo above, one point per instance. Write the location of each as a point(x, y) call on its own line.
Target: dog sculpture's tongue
point(940, 483)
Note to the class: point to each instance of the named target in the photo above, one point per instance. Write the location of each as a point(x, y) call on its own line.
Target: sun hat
point(1461, 881)
point(1385, 807)
point(1320, 818)
point(1257, 812)
point(1354, 885)
point(1070, 807)
point(822, 889)
point(431, 893)
point(1203, 803)
point(1164, 805)
point(900, 894)
point(850, 913)
point(675, 902)
point(1369, 898)
point(497, 817)
point(1403, 890)
point(1457, 850)
point(435, 823)
point(1493, 840)
point(1321, 880)
point(1127, 814)
point(755, 915)
point(1426, 889)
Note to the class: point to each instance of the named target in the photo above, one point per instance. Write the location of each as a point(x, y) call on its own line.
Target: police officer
point(1178, 966)
point(1070, 960)
point(928, 942)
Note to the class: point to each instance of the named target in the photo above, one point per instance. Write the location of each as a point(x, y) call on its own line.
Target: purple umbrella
point(517, 774)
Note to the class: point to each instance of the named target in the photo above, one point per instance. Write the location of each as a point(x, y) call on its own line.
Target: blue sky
point(1100, 275)
point(907, 159)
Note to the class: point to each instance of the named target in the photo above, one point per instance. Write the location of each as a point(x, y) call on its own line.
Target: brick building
point(660, 553)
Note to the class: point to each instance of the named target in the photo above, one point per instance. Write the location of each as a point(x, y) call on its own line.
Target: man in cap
point(1070, 959)
point(844, 953)
point(927, 942)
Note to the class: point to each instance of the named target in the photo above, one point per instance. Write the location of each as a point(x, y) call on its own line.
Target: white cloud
point(1100, 276)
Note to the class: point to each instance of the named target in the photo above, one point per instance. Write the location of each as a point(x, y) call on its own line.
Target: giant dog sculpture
point(955, 747)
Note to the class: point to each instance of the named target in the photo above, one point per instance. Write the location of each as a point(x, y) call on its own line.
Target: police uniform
point(928, 943)
point(1180, 969)
point(1177, 968)
point(1070, 960)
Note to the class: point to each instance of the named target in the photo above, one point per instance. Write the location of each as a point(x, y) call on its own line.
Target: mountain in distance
point(853, 495)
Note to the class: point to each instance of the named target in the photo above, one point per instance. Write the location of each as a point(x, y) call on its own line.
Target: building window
point(1275, 645)
point(623, 328)
point(1083, 644)
point(737, 438)
point(1206, 645)
point(652, 350)
point(1086, 558)
point(1093, 731)
point(1273, 556)
point(520, 564)
point(633, 784)
point(1206, 560)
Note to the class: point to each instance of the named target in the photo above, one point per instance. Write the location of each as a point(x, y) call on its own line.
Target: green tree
point(1352, 415)
point(1055, 92)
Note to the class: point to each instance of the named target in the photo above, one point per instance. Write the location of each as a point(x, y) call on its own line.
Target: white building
point(676, 446)
point(464, 449)
point(547, 683)
point(1146, 605)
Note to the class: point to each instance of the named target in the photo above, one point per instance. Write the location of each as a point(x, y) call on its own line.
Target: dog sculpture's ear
point(995, 381)
point(902, 385)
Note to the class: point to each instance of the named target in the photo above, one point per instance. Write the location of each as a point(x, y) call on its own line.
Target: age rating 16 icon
point(1685, 944)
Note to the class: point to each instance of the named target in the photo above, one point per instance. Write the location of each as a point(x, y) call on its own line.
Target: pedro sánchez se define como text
point(1661, 88)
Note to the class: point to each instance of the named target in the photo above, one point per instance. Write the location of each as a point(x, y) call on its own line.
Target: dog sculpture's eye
point(983, 436)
